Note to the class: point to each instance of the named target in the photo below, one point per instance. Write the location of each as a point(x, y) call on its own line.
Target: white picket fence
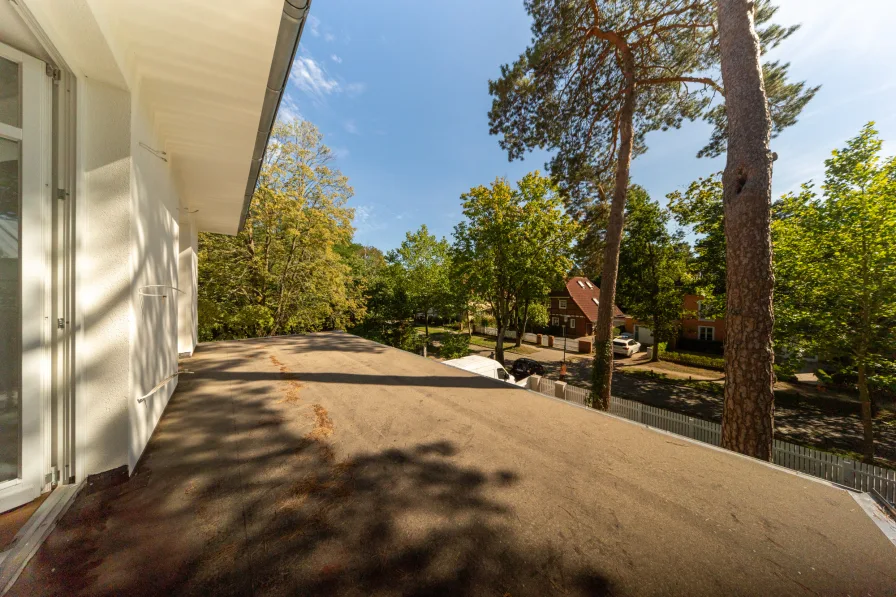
point(831, 467)
point(509, 334)
point(571, 343)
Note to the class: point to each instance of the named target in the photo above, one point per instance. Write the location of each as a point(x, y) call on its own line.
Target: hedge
point(695, 360)
point(782, 373)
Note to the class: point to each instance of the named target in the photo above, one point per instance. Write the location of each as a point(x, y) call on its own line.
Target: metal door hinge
point(54, 73)
point(61, 194)
point(60, 323)
point(52, 477)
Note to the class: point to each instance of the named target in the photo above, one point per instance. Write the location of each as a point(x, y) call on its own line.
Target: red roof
point(582, 291)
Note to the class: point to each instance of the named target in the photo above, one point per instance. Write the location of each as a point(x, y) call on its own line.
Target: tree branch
point(702, 80)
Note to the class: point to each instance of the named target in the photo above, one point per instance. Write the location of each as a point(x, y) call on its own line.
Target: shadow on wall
point(154, 233)
point(240, 493)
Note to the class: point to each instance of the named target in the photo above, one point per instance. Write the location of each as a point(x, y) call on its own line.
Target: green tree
point(282, 273)
point(701, 208)
point(425, 266)
point(835, 264)
point(366, 264)
point(514, 246)
point(600, 75)
point(652, 265)
point(749, 409)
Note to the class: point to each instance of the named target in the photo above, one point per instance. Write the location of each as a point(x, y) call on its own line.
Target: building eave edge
point(292, 22)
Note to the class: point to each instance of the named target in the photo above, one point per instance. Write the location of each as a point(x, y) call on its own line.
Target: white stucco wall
point(187, 277)
point(129, 243)
point(154, 254)
point(129, 258)
point(103, 286)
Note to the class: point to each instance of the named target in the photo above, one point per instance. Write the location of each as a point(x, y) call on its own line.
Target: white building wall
point(154, 254)
point(187, 279)
point(104, 289)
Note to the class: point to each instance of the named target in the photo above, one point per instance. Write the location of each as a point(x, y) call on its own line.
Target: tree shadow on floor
point(240, 492)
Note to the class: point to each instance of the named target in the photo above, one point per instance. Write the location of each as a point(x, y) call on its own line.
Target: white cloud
point(311, 78)
point(351, 127)
point(340, 152)
point(289, 110)
point(314, 25)
point(335, 58)
point(367, 220)
point(329, 37)
point(354, 89)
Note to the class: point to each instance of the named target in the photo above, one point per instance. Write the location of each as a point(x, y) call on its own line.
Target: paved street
point(331, 465)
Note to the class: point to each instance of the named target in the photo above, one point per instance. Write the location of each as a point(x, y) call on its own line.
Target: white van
point(482, 366)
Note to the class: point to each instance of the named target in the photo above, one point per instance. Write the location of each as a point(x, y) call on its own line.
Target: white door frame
point(35, 162)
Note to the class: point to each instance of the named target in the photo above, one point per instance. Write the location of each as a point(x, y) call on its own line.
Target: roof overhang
point(207, 75)
point(292, 22)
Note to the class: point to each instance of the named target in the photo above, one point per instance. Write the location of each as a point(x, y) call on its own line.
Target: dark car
point(523, 368)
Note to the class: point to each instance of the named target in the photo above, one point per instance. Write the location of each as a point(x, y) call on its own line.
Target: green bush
point(455, 346)
point(694, 360)
point(487, 321)
point(823, 377)
point(784, 372)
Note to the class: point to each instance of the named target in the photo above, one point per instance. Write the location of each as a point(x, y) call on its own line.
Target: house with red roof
point(576, 305)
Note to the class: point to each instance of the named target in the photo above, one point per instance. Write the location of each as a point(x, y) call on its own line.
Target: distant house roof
point(586, 295)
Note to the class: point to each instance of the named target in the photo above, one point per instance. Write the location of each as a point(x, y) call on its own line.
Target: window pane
point(10, 324)
point(9, 93)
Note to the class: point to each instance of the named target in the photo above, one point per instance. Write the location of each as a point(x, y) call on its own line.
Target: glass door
point(24, 195)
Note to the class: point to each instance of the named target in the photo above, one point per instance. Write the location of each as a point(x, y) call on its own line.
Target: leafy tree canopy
point(835, 266)
point(514, 246)
point(652, 267)
point(423, 266)
point(700, 207)
point(283, 273)
point(565, 92)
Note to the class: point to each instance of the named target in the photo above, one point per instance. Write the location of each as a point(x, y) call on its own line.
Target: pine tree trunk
point(655, 357)
point(602, 369)
point(521, 328)
point(748, 416)
point(499, 344)
point(867, 422)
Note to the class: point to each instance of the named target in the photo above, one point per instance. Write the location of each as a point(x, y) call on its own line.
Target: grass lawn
point(433, 329)
point(487, 343)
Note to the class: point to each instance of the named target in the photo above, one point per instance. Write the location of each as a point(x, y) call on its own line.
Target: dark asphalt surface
point(330, 465)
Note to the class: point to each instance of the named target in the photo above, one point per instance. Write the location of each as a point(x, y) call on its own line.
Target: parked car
point(482, 366)
point(523, 368)
point(626, 346)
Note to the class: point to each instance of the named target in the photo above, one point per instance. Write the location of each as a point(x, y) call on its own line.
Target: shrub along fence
point(857, 475)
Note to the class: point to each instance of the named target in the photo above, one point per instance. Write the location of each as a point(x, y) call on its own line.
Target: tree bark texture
point(867, 421)
point(602, 370)
point(499, 344)
point(748, 416)
point(655, 356)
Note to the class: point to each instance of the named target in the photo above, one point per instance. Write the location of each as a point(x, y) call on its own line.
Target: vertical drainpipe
point(292, 21)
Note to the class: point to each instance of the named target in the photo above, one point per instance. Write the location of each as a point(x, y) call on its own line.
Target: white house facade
point(126, 127)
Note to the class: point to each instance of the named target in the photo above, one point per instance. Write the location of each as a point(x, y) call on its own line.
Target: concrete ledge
point(32, 535)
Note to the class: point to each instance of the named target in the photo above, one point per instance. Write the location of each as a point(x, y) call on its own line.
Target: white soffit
point(200, 69)
point(14, 32)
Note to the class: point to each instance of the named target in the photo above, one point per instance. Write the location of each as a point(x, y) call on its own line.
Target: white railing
point(825, 465)
point(571, 343)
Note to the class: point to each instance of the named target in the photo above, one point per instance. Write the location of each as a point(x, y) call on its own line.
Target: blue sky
point(399, 89)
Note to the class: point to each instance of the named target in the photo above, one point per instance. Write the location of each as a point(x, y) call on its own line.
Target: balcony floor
point(327, 464)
